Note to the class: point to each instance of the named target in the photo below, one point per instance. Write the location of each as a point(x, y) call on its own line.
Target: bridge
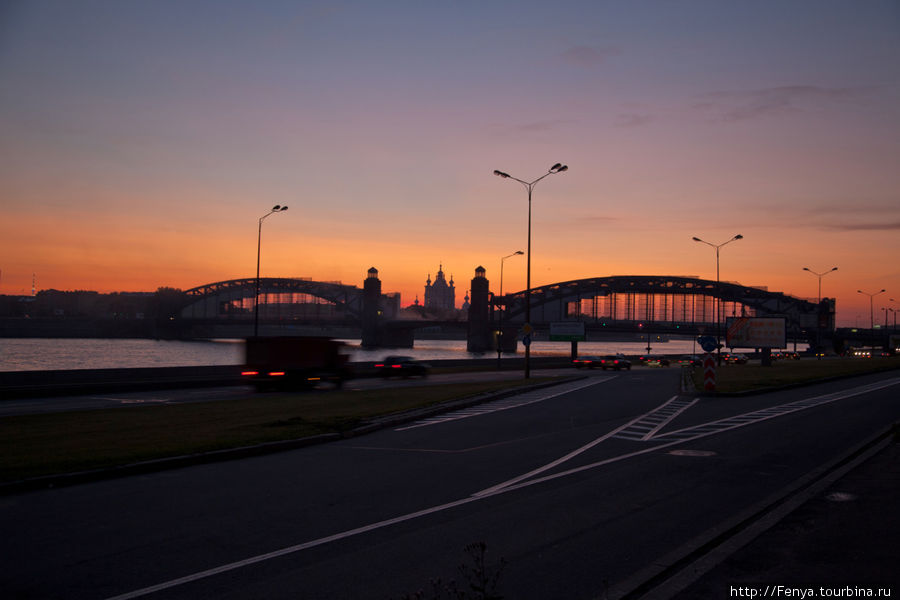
point(667, 304)
point(280, 299)
point(657, 299)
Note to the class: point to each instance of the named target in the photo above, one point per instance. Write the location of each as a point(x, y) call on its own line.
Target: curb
point(201, 458)
point(677, 570)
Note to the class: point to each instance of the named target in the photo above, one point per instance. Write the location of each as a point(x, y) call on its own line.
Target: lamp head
point(696, 239)
point(501, 174)
point(558, 168)
point(519, 252)
point(276, 208)
point(738, 237)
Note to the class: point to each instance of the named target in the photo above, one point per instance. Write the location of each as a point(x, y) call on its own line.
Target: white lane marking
point(289, 550)
point(648, 425)
point(505, 404)
point(570, 455)
point(432, 510)
point(729, 423)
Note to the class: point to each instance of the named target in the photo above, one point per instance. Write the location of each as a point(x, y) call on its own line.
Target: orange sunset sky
point(141, 142)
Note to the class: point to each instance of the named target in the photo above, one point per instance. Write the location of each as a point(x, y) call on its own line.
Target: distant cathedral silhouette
point(440, 294)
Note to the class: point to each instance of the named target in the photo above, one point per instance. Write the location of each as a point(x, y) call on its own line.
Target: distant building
point(440, 294)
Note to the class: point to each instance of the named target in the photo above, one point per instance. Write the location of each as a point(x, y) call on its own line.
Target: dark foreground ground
point(842, 542)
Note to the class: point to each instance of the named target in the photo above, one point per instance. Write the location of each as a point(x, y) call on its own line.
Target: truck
point(294, 362)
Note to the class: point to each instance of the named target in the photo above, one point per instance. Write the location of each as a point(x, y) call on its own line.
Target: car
point(691, 360)
point(586, 362)
point(734, 359)
point(401, 366)
point(615, 362)
point(653, 360)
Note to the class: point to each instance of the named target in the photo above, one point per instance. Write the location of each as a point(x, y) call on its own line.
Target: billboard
point(756, 332)
point(568, 331)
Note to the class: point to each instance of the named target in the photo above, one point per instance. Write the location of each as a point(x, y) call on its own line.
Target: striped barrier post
point(709, 372)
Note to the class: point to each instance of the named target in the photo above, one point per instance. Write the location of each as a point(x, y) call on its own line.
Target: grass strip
point(754, 377)
point(57, 443)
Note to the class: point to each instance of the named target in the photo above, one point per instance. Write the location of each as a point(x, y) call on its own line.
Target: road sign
point(527, 328)
point(567, 332)
point(526, 341)
point(707, 342)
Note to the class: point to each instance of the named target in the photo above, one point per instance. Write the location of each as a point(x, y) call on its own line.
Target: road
point(48, 404)
point(578, 488)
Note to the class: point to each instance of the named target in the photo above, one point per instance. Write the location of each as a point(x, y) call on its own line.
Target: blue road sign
point(707, 342)
point(526, 340)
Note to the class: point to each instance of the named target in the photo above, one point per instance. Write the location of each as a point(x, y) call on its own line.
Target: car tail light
point(276, 374)
point(379, 366)
point(396, 366)
point(249, 373)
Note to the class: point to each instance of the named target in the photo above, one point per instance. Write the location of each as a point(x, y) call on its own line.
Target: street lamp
point(275, 209)
point(557, 168)
point(718, 293)
point(820, 275)
point(871, 306)
point(502, 310)
point(818, 326)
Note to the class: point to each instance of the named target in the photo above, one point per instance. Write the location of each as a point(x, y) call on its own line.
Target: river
point(42, 354)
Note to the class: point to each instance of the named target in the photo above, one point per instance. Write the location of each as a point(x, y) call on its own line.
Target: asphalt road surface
point(577, 488)
point(21, 406)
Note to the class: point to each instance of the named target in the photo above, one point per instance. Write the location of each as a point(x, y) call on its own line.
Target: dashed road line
point(668, 440)
point(713, 427)
point(506, 403)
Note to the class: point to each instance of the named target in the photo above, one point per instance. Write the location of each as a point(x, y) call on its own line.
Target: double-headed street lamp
point(718, 293)
point(818, 326)
point(275, 209)
point(820, 275)
point(557, 168)
point(502, 310)
point(871, 306)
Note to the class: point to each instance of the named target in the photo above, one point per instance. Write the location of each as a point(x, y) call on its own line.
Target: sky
point(141, 142)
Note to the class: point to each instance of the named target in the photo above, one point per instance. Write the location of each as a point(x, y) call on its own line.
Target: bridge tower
point(372, 311)
point(478, 338)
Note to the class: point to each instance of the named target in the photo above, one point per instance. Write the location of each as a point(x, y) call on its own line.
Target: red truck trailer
point(293, 362)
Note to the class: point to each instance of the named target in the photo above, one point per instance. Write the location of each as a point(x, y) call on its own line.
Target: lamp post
point(871, 306)
point(502, 310)
point(819, 302)
point(820, 276)
point(718, 294)
point(557, 168)
point(275, 209)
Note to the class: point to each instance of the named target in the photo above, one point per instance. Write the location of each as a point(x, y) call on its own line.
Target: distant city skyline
point(142, 141)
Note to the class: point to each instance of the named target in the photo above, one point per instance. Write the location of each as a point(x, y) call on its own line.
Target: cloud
point(632, 119)
point(889, 226)
point(530, 127)
point(589, 56)
point(543, 125)
point(740, 105)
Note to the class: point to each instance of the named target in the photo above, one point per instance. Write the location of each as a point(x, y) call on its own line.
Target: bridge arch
point(236, 298)
point(652, 298)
